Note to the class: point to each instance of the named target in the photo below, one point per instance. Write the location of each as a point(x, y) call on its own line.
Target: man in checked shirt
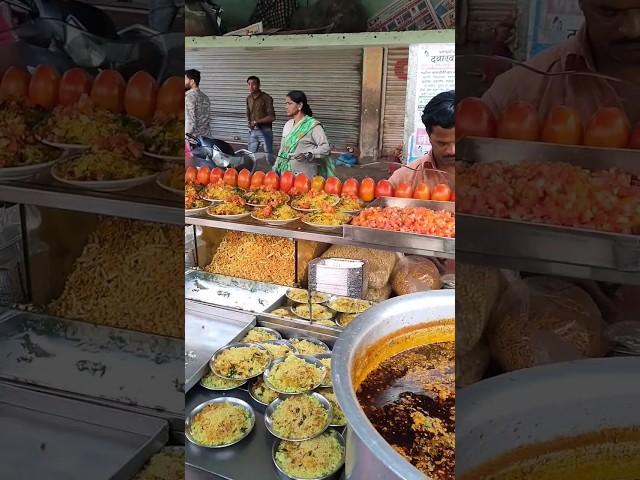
point(196, 106)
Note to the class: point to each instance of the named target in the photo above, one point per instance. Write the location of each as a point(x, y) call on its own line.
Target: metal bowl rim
point(238, 344)
point(268, 329)
point(273, 405)
point(307, 358)
point(197, 409)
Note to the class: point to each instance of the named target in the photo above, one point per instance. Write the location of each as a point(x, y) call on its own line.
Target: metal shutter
point(395, 99)
point(331, 78)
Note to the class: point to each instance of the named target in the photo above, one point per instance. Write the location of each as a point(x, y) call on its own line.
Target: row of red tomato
point(139, 97)
point(366, 190)
point(608, 127)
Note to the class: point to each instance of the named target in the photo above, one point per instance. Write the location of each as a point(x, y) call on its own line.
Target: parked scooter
point(213, 152)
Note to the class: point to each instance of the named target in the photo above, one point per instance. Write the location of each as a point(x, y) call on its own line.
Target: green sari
point(326, 167)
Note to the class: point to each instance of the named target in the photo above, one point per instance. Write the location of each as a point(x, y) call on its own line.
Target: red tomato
point(190, 175)
point(563, 125)
point(350, 188)
point(404, 190)
point(244, 179)
point(519, 121)
point(271, 181)
point(257, 180)
point(333, 186)
point(609, 127)
point(474, 119)
point(108, 90)
point(634, 141)
point(453, 197)
point(441, 193)
point(302, 184)
point(230, 177)
point(422, 192)
point(74, 83)
point(317, 184)
point(140, 95)
point(15, 83)
point(216, 175)
point(367, 189)
point(44, 86)
point(384, 189)
point(286, 181)
point(203, 175)
point(170, 101)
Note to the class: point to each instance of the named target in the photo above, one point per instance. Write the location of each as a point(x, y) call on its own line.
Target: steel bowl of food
point(386, 438)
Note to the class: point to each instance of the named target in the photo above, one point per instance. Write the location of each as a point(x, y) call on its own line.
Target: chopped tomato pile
point(414, 220)
point(551, 193)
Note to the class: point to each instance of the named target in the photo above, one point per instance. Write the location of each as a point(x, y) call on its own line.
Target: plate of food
point(318, 312)
point(325, 359)
point(344, 319)
point(349, 305)
point(282, 417)
point(211, 381)
point(220, 422)
point(261, 334)
point(261, 198)
point(194, 204)
point(318, 458)
point(26, 161)
point(309, 345)
point(326, 220)
point(279, 348)
point(240, 361)
point(262, 394)
point(295, 374)
point(220, 192)
point(228, 211)
point(280, 215)
point(313, 201)
point(339, 419)
point(350, 205)
point(172, 180)
point(101, 171)
point(164, 140)
point(300, 295)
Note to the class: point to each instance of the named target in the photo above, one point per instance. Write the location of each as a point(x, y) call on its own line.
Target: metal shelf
point(147, 203)
point(299, 231)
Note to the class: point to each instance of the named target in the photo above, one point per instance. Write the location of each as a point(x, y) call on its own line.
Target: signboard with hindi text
point(431, 71)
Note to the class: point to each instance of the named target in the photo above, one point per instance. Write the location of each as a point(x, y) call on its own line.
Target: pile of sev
point(295, 375)
point(220, 424)
point(299, 417)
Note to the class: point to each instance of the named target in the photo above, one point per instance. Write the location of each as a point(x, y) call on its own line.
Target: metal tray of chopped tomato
point(429, 230)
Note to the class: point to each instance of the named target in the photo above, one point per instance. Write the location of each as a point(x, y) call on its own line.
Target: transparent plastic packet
point(413, 273)
point(541, 320)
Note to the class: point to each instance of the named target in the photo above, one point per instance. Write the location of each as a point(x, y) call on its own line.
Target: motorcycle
point(213, 152)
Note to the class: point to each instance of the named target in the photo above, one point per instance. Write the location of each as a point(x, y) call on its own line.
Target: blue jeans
point(262, 136)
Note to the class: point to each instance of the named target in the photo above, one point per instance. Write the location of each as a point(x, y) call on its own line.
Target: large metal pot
point(369, 456)
point(541, 404)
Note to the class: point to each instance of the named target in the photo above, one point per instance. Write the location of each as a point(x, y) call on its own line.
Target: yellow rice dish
point(258, 334)
point(326, 362)
point(299, 417)
point(300, 295)
point(282, 312)
point(338, 415)
point(349, 305)
point(345, 319)
point(213, 381)
point(315, 458)
point(305, 347)
point(295, 375)
point(241, 363)
point(317, 312)
point(278, 350)
point(263, 393)
point(220, 424)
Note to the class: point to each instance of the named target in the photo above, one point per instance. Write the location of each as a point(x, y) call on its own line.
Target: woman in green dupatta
point(304, 148)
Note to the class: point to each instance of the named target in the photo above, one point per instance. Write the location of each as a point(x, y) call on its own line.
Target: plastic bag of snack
point(380, 262)
point(542, 320)
point(477, 291)
point(471, 366)
point(415, 274)
point(378, 294)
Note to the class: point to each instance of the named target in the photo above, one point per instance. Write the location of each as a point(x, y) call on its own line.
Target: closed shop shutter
point(331, 79)
point(395, 95)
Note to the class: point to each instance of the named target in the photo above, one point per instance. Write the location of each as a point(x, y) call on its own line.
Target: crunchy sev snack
point(241, 362)
point(295, 375)
point(315, 458)
point(255, 257)
point(167, 464)
point(258, 334)
point(220, 424)
point(305, 347)
point(338, 415)
point(211, 380)
point(263, 393)
point(124, 279)
point(298, 417)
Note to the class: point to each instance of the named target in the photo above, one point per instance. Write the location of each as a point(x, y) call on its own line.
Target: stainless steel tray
point(45, 436)
point(232, 292)
point(134, 370)
point(208, 328)
point(408, 242)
